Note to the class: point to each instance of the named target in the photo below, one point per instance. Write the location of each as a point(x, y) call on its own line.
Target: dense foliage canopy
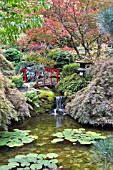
point(17, 16)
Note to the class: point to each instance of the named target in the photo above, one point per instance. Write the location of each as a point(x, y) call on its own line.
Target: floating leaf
point(13, 164)
point(36, 166)
point(53, 161)
point(4, 167)
point(74, 135)
point(3, 141)
point(25, 163)
point(32, 161)
point(84, 142)
point(52, 155)
point(16, 138)
point(59, 135)
point(57, 140)
point(52, 166)
point(41, 156)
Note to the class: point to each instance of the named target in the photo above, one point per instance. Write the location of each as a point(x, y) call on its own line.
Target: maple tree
point(72, 23)
point(17, 16)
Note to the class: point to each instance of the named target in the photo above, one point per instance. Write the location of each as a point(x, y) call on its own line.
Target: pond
point(71, 157)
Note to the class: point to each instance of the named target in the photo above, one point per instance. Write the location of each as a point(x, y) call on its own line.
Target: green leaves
point(32, 98)
point(16, 138)
point(77, 135)
point(18, 16)
point(32, 161)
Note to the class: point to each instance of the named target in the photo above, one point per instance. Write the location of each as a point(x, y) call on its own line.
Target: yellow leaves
point(35, 137)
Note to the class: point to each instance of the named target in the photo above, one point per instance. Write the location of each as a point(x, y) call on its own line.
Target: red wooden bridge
point(45, 72)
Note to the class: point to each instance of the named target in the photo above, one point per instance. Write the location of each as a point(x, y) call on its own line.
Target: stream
point(70, 157)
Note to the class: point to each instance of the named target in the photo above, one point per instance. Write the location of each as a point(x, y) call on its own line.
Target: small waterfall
point(59, 105)
point(58, 111)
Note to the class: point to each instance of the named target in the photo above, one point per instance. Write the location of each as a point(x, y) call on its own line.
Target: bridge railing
point(45, 74)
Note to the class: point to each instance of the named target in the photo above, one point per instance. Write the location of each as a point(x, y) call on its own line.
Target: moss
point(49, 95)
point(46, 99)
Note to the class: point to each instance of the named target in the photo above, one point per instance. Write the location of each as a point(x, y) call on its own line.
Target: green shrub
point(32, 100)
point(71, 84)
point(61, 57)
point(17, 80)
point(13, 55)
point(70, 69)
point(20, 66)
point(35, 57)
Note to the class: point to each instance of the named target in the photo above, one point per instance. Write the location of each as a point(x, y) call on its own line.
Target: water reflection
point(59, 119)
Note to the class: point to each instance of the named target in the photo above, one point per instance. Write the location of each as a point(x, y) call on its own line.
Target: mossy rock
point(46, 99)
point(46, 94)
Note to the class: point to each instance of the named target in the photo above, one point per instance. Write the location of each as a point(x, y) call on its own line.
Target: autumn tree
point(74, 22)
point(17, 16)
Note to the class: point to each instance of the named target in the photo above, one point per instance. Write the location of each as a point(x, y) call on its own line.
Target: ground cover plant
point(103, 153)
point(32, 161)
point(77, 135)
point(17, 80)
point(32, 98)
point(16, 138)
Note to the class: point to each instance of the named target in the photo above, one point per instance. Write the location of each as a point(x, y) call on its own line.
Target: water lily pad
point(13, 164)
point(54, 161)
point(4, 167)
point(36, 166)
point(57, 140)
point(15, 143)
point(20, 157)
point(25, 163)
point(16, 138)
point(52, 155)
point(59, 135)
point(73, 140)
point(52, 166)
point(27, 140)
point(83, 142)
point(41, 156)
point(3, 141)
point(32, 161)
point(74, 135)
point(32, 155)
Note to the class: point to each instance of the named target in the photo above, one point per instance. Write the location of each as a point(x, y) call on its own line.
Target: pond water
point(71, 157)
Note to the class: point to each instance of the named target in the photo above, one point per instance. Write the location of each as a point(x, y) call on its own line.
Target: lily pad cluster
point(32, 161)
point(77, 135)
point(16, 138)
